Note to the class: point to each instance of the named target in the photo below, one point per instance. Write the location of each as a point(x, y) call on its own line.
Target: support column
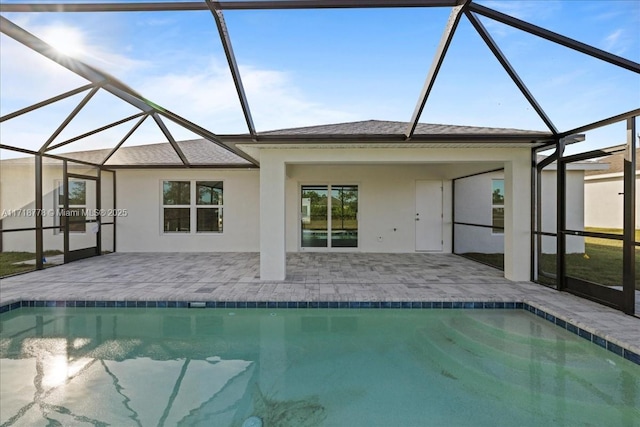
point(517, 218)
point(273, 256)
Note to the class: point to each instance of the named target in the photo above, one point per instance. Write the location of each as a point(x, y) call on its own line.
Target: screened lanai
point(92, 93)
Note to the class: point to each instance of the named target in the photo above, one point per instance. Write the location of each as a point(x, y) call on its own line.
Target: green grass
point(601, 263)
point(602, 260)
point(607, 242)
point(8, 260)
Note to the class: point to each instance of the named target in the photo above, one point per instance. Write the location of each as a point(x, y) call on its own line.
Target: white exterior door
point(428, 217)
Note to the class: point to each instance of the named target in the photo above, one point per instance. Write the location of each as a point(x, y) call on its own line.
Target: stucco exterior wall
point(473, 205)
point(386, 202)
point(604, 204)
point(261, 207)
point(473, 197)
point(275, 160)
point(575, 213)
point(17, 191)
point(139, 192)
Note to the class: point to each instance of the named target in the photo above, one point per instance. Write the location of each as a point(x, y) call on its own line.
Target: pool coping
point(591, 334)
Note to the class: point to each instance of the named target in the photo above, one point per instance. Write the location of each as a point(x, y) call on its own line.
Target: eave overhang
point(253, 146)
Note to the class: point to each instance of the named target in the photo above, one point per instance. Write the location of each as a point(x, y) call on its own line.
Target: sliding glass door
point(329, 216)
point(344, 216)
point(314, 216)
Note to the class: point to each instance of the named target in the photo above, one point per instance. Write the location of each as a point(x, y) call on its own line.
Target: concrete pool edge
point(616, 346)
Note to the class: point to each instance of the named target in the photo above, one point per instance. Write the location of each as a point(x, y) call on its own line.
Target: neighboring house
point(345, 187)
point(604, 191)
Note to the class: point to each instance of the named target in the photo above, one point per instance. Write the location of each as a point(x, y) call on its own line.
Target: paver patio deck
point(310, 277)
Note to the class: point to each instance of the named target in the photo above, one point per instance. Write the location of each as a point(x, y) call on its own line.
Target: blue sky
point(304, 68)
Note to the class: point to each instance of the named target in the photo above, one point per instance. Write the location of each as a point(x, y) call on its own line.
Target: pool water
point(217, 367)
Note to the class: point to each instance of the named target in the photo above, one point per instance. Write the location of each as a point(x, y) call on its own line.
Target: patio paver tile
point(310, 277)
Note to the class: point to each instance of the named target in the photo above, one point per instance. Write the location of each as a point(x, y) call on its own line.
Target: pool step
point(468, 354)
point(475, 335)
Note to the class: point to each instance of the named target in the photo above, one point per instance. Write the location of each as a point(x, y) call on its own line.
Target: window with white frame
point(192, 206)
point(497, 206)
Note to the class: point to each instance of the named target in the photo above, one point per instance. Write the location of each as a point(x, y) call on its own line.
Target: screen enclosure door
point(79, 196)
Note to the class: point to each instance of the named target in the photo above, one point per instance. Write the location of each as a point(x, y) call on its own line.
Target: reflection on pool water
point(216, 367)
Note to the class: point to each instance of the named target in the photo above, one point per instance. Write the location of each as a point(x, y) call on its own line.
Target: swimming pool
point(330, 367)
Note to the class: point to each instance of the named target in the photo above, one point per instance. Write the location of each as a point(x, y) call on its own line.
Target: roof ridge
point(390, 127)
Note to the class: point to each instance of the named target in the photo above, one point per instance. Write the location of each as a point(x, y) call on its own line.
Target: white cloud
point(612, 39)
point(530, 11)
point(28, 77)
point(208, 97)
point(525, 10)
point(204, 95)
point(89, 45)
point(617, 42)
point(278, 103)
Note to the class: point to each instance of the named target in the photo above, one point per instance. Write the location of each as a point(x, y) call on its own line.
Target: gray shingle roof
point(378, 127)
point(197, 152)
point(615, 162)
point(203, 152)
